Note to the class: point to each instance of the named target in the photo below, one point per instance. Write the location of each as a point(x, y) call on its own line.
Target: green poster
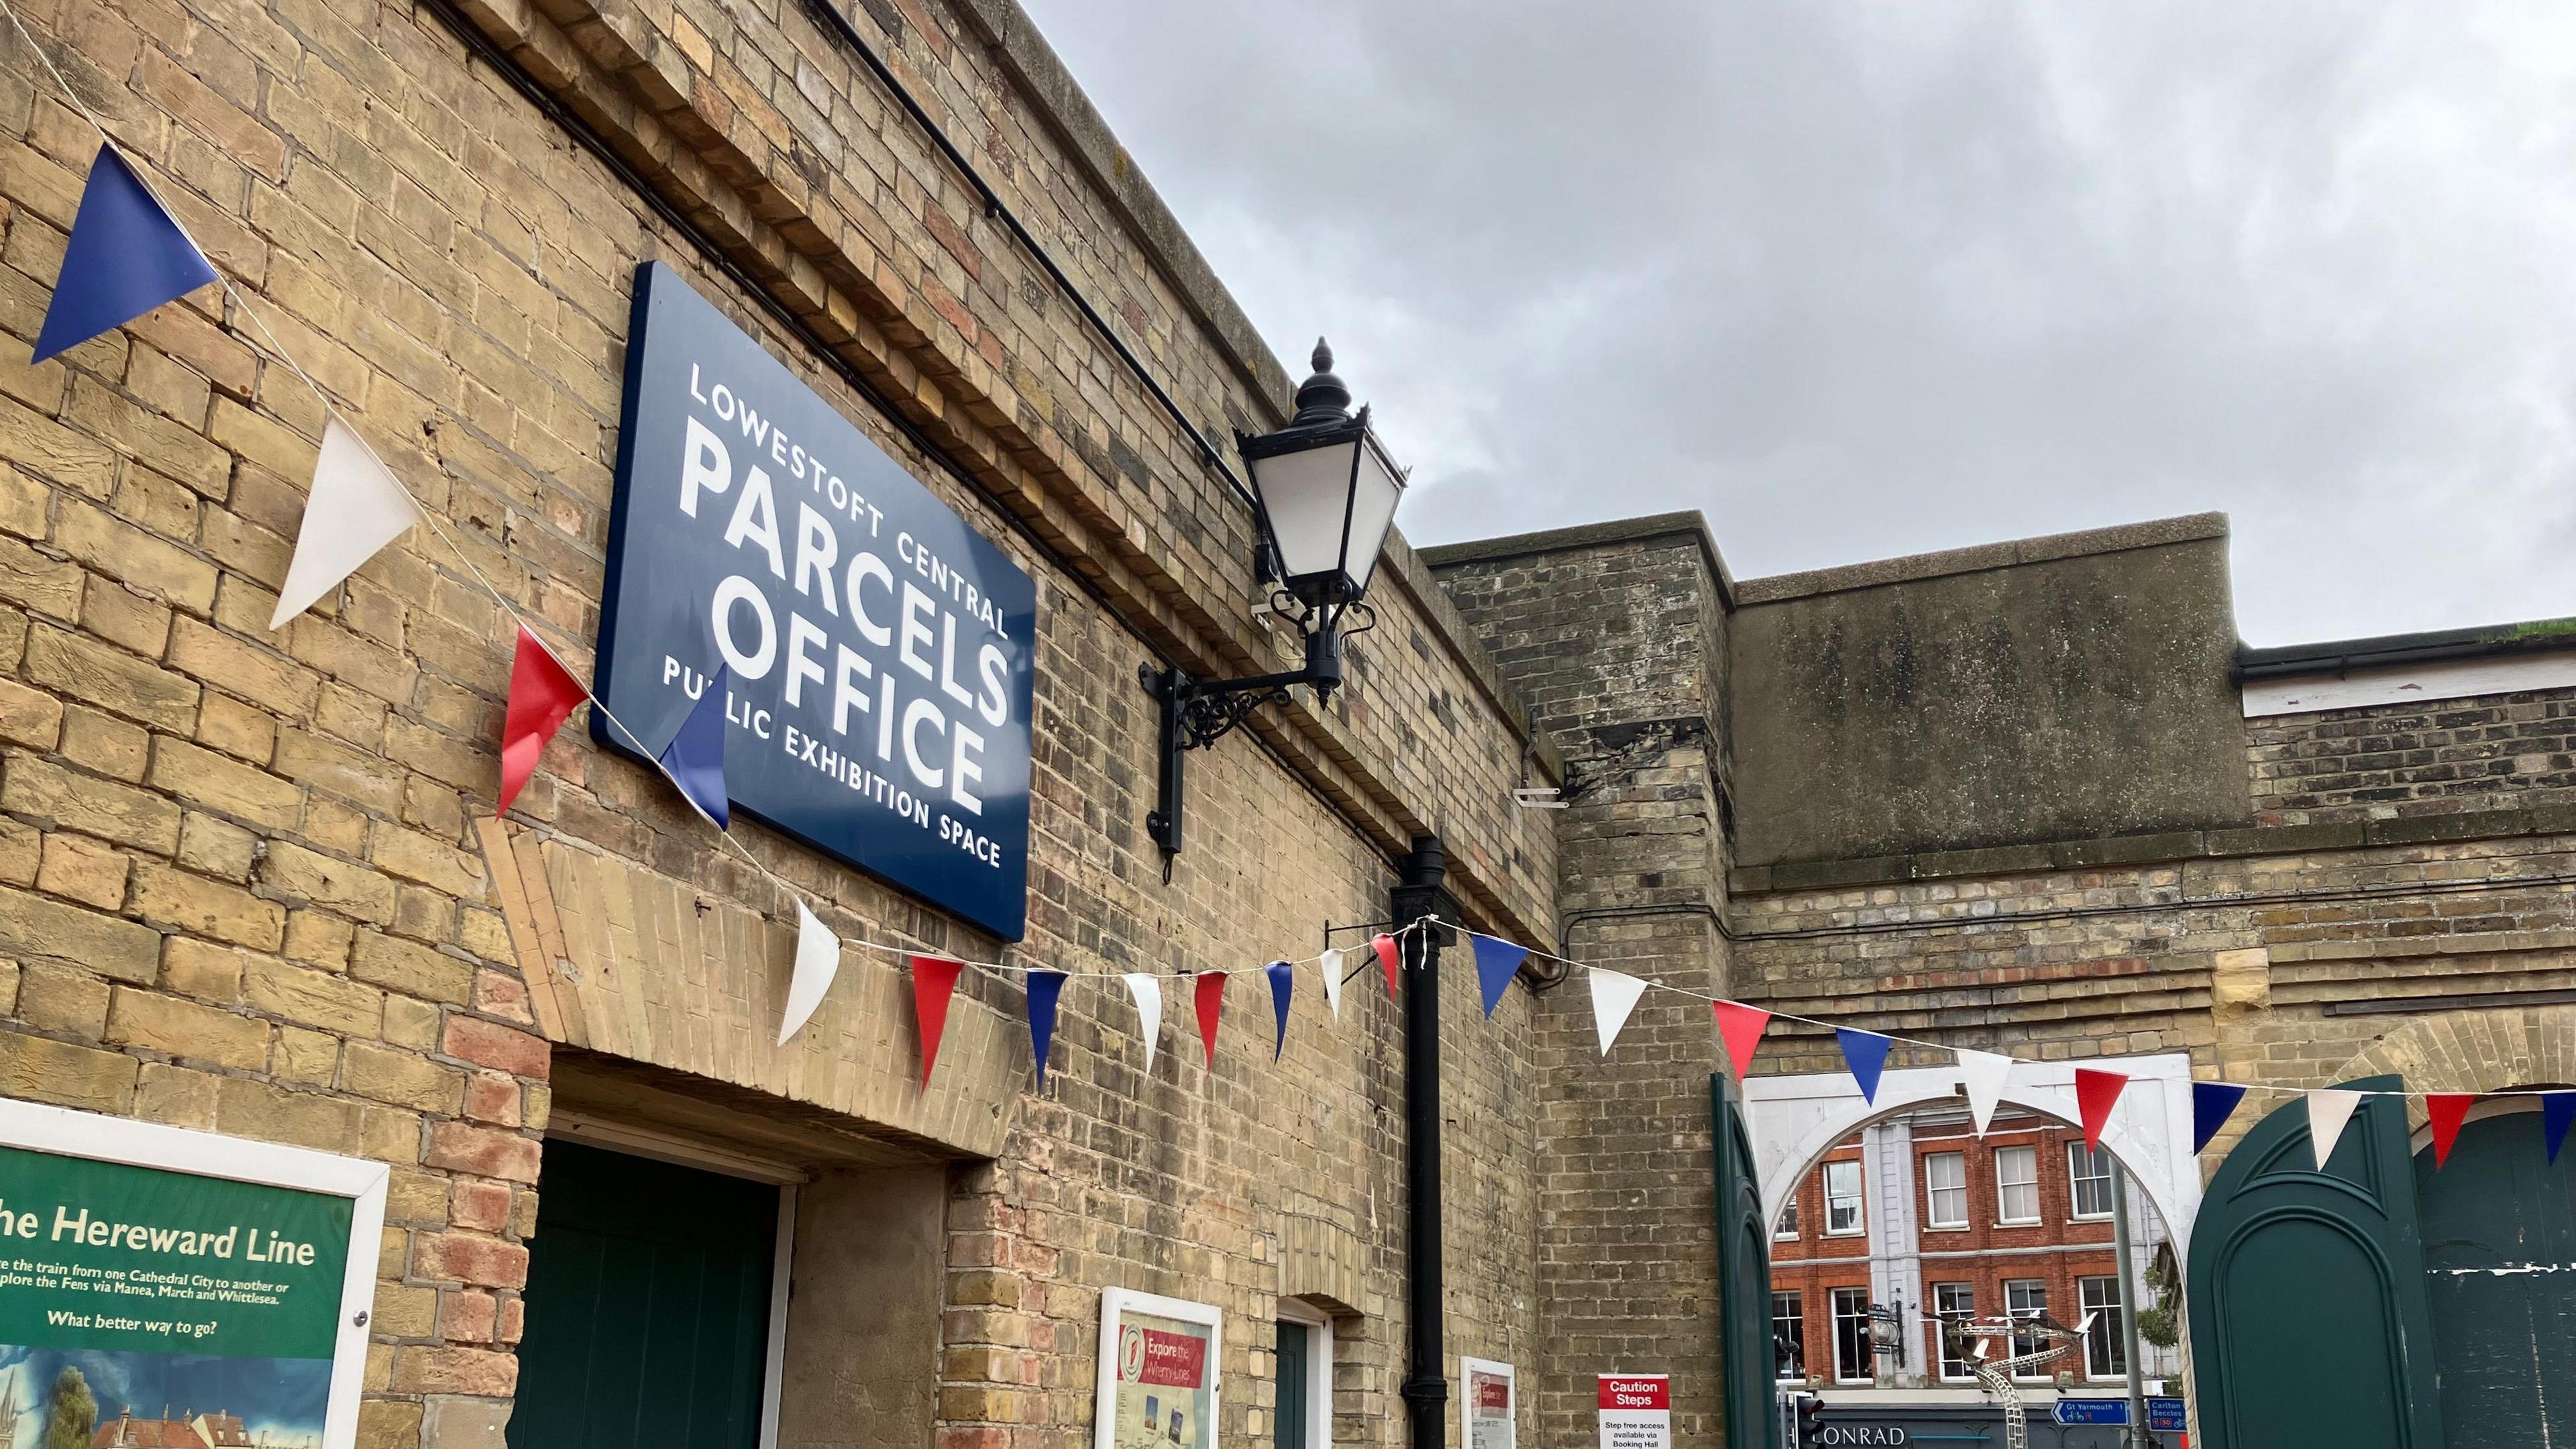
point(173, 1307)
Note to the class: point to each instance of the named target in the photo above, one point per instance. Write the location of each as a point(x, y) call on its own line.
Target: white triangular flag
point(1984, 1074)
point(1149, 1006)
point(818, 960)
point(1614, 995)
point(1332, 965)
point(2328, 1111)
point(356, 508)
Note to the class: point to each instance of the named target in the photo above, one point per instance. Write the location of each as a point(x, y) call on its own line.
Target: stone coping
point(2155, 848)
point(1589, 535)
point(2190, 528)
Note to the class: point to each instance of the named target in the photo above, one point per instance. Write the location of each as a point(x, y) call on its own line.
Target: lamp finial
point(1322, 398)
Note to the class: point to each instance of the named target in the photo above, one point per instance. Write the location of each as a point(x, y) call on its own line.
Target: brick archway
point(2474, 1051)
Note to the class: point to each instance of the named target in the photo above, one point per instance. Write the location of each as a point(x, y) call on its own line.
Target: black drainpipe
point(1417, 895)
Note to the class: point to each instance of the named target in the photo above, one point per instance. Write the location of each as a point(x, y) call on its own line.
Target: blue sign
point(879, 652)
point(2091, 1411)
point(2166, 1416)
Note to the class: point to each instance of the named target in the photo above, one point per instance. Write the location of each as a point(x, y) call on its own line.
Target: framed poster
point(180, 1287)
point(1158, 1372)
point(1488, 1405)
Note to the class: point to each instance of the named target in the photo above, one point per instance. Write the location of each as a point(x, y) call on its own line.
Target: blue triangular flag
point(2212, 1103)
point(2557, 1110)
point(126, 256)
point(1281, 983)
point(1045, 988)
point(695, 756)
point(1497, 962)
point(1865, 1052)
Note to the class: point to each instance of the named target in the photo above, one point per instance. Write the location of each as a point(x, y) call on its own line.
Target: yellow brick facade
point(250, 882)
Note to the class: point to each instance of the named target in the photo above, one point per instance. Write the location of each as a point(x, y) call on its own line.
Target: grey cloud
point(1864, 279)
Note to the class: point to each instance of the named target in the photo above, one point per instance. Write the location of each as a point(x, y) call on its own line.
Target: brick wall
point(241, 887)
point(2085, 1244)
point(2320, 942)
point(2273, 964)
point(2440, 757)
point(1616, 639)
point(2057, 1251)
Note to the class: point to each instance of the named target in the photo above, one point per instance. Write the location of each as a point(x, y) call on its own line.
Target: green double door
point(2499, 1227)
point(648, 1306)
point(2379, 1303)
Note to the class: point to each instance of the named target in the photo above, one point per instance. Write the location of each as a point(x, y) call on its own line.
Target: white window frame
point(1786, 1231)
point(1941, 1359)
point(1859, 1201)
point(62, 1132)
point(782, 1271)
point(2012, 1348)
point(1932, 1191)
point(1799, 1342)
point(2103, 1327)
point(1834, 1316)
point(1319, 1367)
point(2110, 1180)
point(2004, 1218)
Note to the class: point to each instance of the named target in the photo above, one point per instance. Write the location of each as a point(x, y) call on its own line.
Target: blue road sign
point(2091, 1411)
point(2165, 1416)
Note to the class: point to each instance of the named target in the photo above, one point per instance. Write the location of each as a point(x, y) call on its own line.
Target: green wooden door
point(2305, 1291)
point(1743, 1277)
point(648, 1306)
point(2504, 1337)
point(1295, 1362)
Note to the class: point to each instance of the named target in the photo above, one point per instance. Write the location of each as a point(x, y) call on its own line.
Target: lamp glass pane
point(1305, 494)
point(1372, 513)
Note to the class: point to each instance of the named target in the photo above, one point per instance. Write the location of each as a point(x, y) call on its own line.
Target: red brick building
point(1915, 1217)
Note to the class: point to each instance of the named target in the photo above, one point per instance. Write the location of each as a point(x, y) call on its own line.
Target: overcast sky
point(1863, 279)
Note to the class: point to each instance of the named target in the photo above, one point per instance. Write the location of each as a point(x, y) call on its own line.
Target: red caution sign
point(1636, 1411)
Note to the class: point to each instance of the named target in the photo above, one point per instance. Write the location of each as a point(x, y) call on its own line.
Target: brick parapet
point(2445, 757)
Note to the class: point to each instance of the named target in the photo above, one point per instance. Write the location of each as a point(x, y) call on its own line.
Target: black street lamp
point(1324, 495)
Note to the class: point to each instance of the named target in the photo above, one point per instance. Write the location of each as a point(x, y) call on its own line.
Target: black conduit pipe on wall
point(1418, 897)
point(1565, 924)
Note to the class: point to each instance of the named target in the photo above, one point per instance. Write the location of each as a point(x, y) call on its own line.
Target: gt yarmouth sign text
point(877, 652)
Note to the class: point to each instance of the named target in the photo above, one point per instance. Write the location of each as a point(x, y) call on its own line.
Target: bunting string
point(1922, 1044)
point(129, 253)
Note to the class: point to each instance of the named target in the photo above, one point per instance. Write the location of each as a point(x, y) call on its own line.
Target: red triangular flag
point(1210, 995)
point(1387, 956)
point(2448, 1110)
point(934, 980)
point(1742, 1026)
point(2095, 1095)
point(542, 695)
